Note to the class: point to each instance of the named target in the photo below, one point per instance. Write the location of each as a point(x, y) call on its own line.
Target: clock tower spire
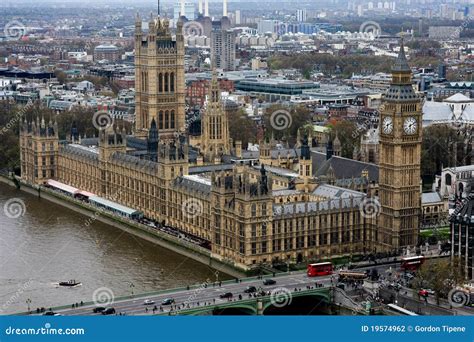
point(400, 158)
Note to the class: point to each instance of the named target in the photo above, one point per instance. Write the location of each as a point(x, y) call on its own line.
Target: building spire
point(401, 64)
point(214, 89)
point(158, 8)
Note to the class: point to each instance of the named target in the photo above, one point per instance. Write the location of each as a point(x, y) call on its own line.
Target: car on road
point(108, 311)
point(250, 289)
point(226, 295)
point(51, 313)
point(269, 282)
point(148, 302)
point(98, 309)
point(167, 301)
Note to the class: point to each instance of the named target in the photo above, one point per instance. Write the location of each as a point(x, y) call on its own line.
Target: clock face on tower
point(410, 125)
point(387, 125)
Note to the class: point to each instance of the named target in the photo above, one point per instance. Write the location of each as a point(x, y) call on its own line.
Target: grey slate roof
point(132, 161)
point(278, 171)
point(330, 191)
point(209, 168)
point(285, 192)
point(90, 141)
point(81, 152)
point(250, 154)
point(430, 197)
point(343, 168)
point(190, 184)
point(136, 143)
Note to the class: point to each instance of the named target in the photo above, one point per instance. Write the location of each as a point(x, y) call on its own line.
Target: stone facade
point(399, 160)
point(249, 214)
point(159, 78)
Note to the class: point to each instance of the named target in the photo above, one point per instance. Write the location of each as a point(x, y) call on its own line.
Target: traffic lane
point(192, 299)
point(204, 295)
point(209, 300)
point(179, 294)
point(290, 281)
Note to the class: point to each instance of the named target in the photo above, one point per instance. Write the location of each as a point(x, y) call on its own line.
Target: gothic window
point(448, 179)
point(172, 82)
point(167, 114)
point(166, 82)
point(172, 122)
point(160, 83)
point(254, 210)
point(160, 120)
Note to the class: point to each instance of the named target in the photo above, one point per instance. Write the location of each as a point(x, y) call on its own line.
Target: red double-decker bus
point(412, 263)
point(320, 269)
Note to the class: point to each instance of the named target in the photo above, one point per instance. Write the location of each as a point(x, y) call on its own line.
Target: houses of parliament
point(250, 212)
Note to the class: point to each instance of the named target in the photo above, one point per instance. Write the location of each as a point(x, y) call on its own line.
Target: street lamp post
point(28, 302)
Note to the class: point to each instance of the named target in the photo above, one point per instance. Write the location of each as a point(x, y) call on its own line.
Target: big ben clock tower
point(400, 157)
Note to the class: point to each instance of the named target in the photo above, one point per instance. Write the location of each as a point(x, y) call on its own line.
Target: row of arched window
point(166, 119)
point(166, 82)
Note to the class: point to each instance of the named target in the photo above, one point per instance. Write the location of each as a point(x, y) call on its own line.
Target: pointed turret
point(401, 87)
point(214, 90)
point(152, 142)
point(401, 64)
point(329, 150)
point(305, 151)
point(337, 146)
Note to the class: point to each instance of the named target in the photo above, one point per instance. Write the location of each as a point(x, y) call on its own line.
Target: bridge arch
point(238, 309)
point(298, 304)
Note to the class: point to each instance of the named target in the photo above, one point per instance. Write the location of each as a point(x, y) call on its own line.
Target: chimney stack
point(182, 14)
point(206, 8)
point(200, 6)
point(224, 8)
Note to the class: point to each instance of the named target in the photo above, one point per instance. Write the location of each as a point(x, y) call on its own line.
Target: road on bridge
point(210, 295)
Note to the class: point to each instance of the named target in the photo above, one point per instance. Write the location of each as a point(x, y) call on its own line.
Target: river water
point(48, 243)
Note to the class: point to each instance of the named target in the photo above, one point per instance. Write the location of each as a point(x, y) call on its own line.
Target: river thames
point(48, 244)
